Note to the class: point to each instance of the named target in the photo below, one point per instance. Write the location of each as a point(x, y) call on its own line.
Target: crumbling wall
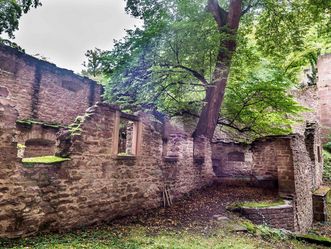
point(324, 94)
point(303, 176)
point(36, 139)
point(97, 185)
point(42, 91)
point(20, 208)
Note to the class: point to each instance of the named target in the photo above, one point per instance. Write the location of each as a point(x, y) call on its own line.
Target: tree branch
point(196, 74)
point(219, 14)
point(234, 14)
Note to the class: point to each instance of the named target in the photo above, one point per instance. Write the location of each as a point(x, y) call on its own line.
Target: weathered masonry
point(324, 92)
point(42, 91)
point(110, 164)
point(98, 183)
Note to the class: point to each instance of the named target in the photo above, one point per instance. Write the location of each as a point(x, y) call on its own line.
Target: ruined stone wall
point(36, 139)
point(324, 94)
point(265, 158)
point(303, 177)
point(281, 217)
point(97, 185)
point(232, 159)
point(19, 201)
point(42, 91)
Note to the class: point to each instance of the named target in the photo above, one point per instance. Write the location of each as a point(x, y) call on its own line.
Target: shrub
point(327, 166)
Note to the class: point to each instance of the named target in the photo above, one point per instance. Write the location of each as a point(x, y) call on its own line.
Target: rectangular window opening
point(126, 135)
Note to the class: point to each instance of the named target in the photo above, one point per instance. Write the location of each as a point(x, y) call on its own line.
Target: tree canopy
point(188, 48)
point(10, 13)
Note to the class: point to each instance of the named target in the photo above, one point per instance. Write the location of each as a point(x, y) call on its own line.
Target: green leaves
point(11, 11)
point(168, 64)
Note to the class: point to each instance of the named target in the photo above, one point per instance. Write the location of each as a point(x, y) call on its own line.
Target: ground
point(197, 221)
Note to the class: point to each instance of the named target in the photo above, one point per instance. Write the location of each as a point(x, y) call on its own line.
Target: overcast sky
point(62, 30)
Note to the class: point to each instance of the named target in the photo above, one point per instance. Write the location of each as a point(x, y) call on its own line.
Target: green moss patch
point(44, 160)
point(261, 204)
point(30, 122)
point(316, 239)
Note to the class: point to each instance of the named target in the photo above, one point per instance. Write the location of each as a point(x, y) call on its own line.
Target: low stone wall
point(96, 185)
point(281, 217)
point(322, 204)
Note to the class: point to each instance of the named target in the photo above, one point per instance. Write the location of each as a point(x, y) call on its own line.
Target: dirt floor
point(197, 210)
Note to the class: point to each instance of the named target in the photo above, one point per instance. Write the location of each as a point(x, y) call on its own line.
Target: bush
point(327, 146)
point(327, 165)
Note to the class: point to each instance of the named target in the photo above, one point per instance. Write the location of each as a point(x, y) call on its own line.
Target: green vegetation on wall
point(44, 160)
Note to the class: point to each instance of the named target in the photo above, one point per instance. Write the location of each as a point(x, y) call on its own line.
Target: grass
point(136, 237)
point(44, 160)
point(262, 204)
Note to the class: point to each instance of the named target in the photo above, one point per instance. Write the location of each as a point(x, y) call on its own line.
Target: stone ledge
point(124, 158)
point(170, 159)
point(322, 191)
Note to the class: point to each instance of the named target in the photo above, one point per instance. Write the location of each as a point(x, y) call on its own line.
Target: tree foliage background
point(167, 64)
point(10, 13)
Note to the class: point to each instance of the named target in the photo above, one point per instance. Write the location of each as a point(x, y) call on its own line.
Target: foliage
point(94, 66)
point(327, 146)
point(167, 65)
point(327, 165)
point(75, 128)
point(44, 160)
point(21, 146)
point(10, 13)
point(265, 231)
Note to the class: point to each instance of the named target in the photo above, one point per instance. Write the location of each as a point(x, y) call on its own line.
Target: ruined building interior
point(110, 164)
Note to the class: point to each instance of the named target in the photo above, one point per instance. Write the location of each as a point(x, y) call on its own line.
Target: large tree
point(189, 51)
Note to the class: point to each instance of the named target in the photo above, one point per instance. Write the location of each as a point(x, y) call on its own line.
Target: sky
point(63, 30)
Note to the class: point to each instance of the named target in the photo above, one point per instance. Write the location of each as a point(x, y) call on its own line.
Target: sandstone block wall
point(36, 139)
point(303, 187)
point(281, 217)
point(42, 91)
point(232, 159)
point(324, 94)
point(96, 185)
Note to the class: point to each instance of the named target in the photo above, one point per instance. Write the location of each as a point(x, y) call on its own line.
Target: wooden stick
point(168, 200)
point(169, 194)
point(164, 200)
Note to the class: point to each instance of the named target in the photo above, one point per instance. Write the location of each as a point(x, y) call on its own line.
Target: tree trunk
point(215, 93)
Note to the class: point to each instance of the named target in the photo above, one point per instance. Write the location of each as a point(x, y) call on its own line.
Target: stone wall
point(324, 93)
point(96, 185)
point(13, 196)
point(232, 159)
point(322, 204)
point(42, 91)
point(36, 139)
point(303, 187)
point(281, 217)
